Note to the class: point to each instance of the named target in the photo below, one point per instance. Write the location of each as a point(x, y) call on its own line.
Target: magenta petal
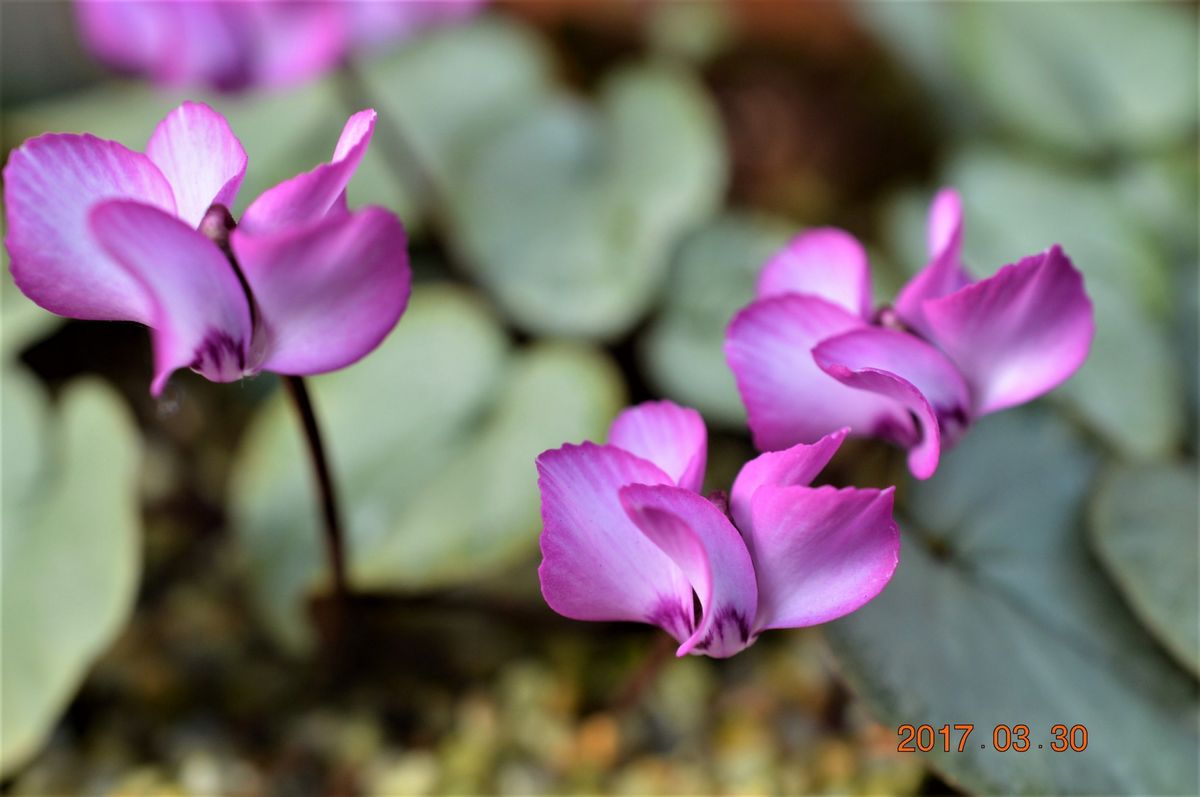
point(903, 367)
point(200, 157)
point(1018, 334)
point(827, 263)
point(670, 436)
point(710, 552)
point(327, 293)
point(944, 228)
point(310, 196)
point(129, 36)
point(945, 273)
point(294, 41)
point(820, 552)
point(380, 23)
point(596, 564)
point(795, 466)
point(788, 398)
point(201, 318)
point(50, 184)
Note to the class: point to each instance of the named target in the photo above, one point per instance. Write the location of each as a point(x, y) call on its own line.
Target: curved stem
point(335, 543)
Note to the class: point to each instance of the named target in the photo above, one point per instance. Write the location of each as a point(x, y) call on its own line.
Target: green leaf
point(568, 215)
point(71, 549)
point(1129, 389)
point(998, 615)
point(433, 438)
point(1088, 77)
point(21, 321)
point(449, 89)
point(1143, 528)
point(711, 278)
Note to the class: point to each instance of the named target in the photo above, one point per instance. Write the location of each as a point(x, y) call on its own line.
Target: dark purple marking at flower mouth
point(219, 357)
point(953, 424)
point(730, 629)
point(674, 617)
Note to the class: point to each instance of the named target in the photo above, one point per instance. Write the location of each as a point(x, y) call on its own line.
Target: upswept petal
point(311, 195)
point(795, 466)
point(201, 158)
point(944, 228)
point(827, 263)
point(672, 437)
point(788, 398)
point(327, 293)
point(1017, 334)
point(50, 184)
point(201, 318)
point(903, 367)
point(710, 552)
point(596, 564)
point(945, 273)
point(821, 552)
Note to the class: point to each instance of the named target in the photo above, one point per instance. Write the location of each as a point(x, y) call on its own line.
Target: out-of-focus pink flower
point(235, 44)
point(810, 357)
point(98, 231)
point(628, 537)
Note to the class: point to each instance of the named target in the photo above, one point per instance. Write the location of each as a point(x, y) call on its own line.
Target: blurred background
point(590, 189)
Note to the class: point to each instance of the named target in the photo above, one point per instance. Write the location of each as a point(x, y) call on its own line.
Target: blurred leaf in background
point(71, 555)
point(998, 615)
point(1088, 78)
point(568, 215)
point(1143, 527)
point(432, 438)
point(711, 278)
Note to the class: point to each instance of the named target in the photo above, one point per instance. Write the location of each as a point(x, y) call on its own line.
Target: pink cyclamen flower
point(98, 231)
point(628, 537)
point(810, 357)
point(235, 44)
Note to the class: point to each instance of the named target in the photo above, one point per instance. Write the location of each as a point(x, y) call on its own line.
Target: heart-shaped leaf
point(71, 548)
point(998, 615)
point(1089, 77)
point(433, 439)
point(1143, 527)
point(569, 214)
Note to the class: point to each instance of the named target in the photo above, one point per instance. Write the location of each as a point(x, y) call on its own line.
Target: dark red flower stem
point(335, 539)
point(217, 225)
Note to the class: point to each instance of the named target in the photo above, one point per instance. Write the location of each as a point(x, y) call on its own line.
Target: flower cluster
point(810, 356)
point(629, 537)
point(237, 45)
point(302, 285)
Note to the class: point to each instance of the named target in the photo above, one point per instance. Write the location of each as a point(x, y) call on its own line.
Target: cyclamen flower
point(809, 356)
point(235, 44)
point(628, 537)
point(98, 231)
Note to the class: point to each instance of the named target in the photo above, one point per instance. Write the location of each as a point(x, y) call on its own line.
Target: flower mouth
point(219, 357)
